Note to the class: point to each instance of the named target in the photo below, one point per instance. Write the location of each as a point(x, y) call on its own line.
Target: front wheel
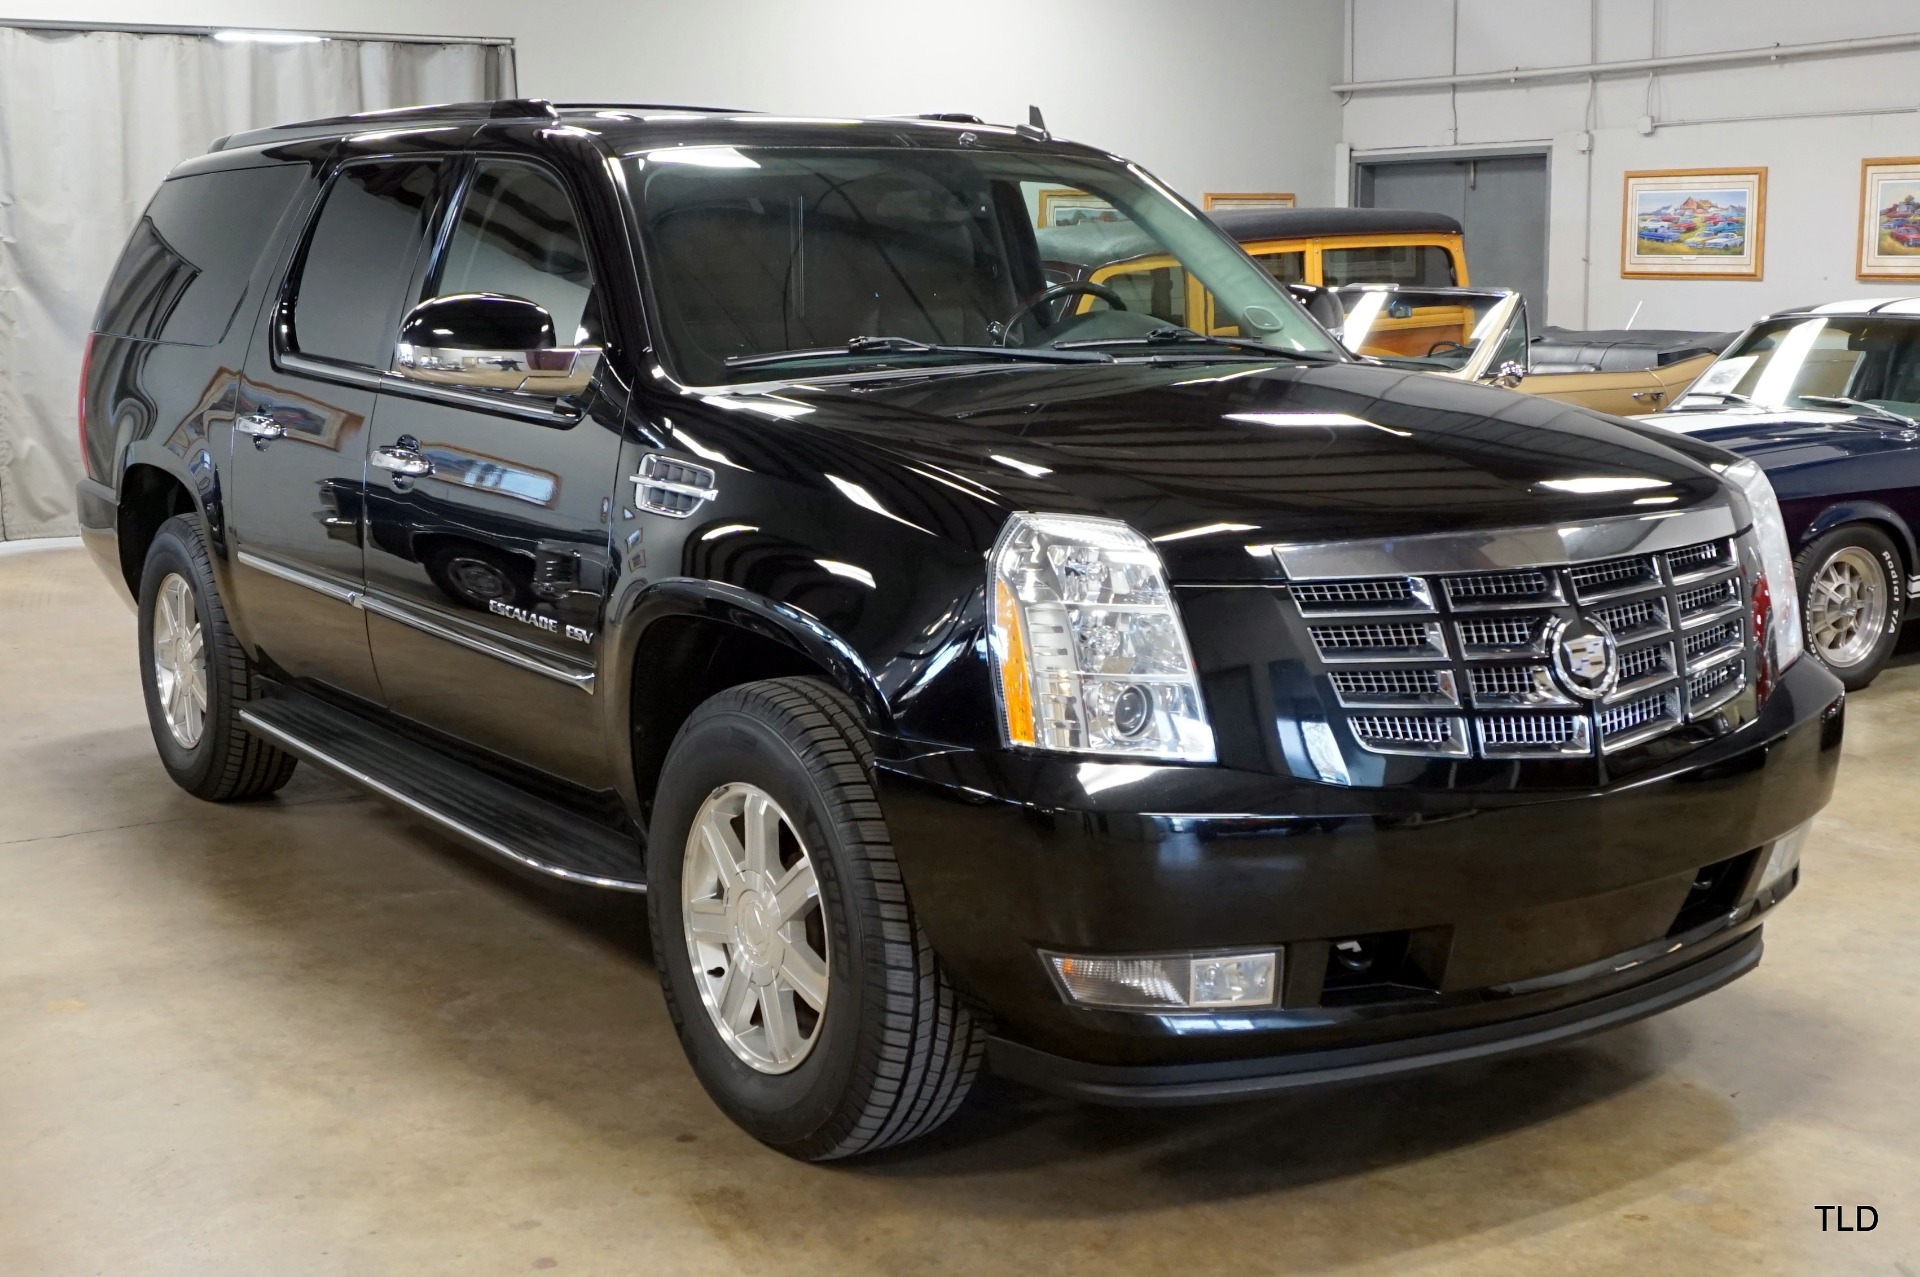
point(1851, 599)
point(809, 1003)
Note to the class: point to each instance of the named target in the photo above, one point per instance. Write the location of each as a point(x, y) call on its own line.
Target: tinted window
point(518, 235)
point(1428, 265)
point(1287, 268)
point(359, 260)
point(184, 270)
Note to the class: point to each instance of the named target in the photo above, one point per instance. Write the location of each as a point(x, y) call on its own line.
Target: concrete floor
point(310, 1035)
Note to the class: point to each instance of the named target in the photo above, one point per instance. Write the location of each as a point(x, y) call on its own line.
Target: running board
point(517, 827)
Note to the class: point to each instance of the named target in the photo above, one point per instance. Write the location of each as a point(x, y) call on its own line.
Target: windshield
point(1809, 362)
point(756, 252)
point(1433, 330)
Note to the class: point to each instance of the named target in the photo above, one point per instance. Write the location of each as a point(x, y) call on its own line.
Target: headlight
point(1776, 562)
point(1088, 650)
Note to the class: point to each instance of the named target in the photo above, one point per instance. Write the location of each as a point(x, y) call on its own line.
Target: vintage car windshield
point(1817, 361)
point(769, 262)
point(1432, 329)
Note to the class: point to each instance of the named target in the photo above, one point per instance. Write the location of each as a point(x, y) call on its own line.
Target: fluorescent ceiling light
point(1024, 467)
point(703, 157)
point(848, 570)
point(267, 37)
point(1311, 419)
point(1595, 485)
point(1208, 529)
point(727, 530)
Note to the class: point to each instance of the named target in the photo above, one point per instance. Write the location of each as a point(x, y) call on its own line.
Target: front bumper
point(1537, 915)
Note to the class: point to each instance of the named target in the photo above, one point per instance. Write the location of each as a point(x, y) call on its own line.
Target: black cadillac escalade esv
point(972, 671)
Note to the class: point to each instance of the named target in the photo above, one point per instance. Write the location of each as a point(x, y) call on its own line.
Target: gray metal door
point(1500, 201)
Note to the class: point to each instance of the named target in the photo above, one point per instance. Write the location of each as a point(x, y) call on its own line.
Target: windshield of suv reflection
point(1812, 360)
point(757, 251)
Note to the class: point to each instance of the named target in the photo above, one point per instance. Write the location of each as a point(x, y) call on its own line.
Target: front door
point(297, 478)
point(486, 573)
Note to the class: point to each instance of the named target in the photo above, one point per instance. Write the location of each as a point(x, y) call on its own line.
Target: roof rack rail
point(651, 106)
point(446, 112)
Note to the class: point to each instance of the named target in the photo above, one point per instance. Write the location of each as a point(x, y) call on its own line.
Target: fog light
point(1785, 856)
point(1174, 982)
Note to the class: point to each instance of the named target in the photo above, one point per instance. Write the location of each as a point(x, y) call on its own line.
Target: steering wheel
point(1055, 293)
point(1439, 347)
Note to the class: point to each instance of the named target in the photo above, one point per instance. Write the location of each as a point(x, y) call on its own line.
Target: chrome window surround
point(1448, 656)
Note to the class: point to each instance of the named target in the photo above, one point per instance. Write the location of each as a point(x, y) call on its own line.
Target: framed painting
point(1694, 224)
point(1889, 219)
point(1064, 206)
point(1246, 199)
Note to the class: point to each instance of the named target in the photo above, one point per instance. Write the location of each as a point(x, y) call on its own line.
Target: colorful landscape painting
point(1699, 223)
point(1670, 223)
point(1890, 219)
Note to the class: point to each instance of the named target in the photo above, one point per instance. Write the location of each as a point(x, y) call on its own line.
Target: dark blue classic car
point(1825, 400)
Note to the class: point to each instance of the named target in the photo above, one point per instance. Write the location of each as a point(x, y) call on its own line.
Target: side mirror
point(1506, 376)
point(489, 341)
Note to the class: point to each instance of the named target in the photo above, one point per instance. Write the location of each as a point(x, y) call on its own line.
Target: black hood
point(1286, 453)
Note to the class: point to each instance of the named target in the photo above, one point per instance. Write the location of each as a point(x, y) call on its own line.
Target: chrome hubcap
point(179, 661)
point(1847, 606)
point(750, 906)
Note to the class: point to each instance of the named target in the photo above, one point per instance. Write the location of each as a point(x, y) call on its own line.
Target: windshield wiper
point(870, 346)
point(1725, 396)
point(1173, 335)
point(1860, 405)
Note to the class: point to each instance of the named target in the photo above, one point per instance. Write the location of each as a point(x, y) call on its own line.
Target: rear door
point(298, 471)
point(486, 574)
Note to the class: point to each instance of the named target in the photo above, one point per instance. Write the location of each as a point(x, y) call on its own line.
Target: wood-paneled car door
point(298, 473)
point(487, 570)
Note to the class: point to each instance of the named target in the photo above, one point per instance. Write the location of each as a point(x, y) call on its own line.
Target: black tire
point(227, 762)
point(1866, 539)
point(896, 1049)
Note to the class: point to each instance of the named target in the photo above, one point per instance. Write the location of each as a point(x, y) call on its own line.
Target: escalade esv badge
point(1586, 662)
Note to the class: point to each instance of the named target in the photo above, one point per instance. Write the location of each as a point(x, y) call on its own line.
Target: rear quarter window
point(185, 268)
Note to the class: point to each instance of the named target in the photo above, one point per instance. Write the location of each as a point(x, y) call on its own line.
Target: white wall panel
point(1813, 159)
point(1224, 95)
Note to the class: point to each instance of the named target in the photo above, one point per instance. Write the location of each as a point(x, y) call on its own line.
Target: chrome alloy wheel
point(179, 661)
point(750, 906)
point(1847, 605)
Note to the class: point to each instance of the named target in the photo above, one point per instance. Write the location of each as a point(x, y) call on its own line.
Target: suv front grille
point(1469, 659)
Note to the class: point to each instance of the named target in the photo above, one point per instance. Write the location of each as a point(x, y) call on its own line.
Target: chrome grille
point(1477, 651)
point(1388, 640)
point(1371, 594)
point(1707, 555)
point(1712, 598)
point(1611, 575)
point(1410, 733)
point(1632, 620)
point(1535, 734)
point(1527, 585)
point(1394, 687)
point(1712, 688)
point(1640, 719)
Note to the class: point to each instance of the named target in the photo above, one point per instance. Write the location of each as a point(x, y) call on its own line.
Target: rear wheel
point(196, 676)
point(808, 1001)
point(1851, 600)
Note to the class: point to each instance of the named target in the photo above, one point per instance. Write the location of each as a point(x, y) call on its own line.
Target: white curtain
point(90, 121)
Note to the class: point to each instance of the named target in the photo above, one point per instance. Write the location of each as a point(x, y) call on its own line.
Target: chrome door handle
point(1642, 396)
point(401, 459)
point(261, 426)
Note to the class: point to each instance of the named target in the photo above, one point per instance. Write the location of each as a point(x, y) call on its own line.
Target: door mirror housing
point(490, 341)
